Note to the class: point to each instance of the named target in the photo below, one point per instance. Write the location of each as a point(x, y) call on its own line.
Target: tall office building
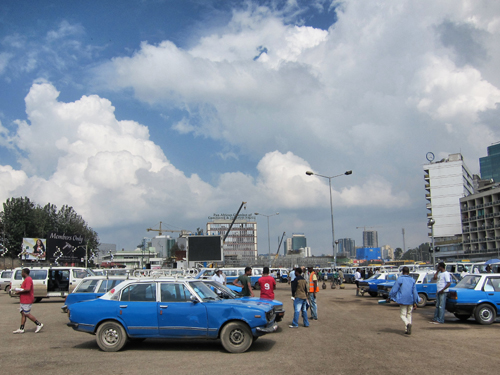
point(490, 165)
point(446, 181)
point(370, 238)
point(241, 242)
point(347, 246)
point(481, 224)
point(299, 241)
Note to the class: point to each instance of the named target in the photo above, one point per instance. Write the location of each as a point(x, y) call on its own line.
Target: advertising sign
point(65, 248)
point(34, 249)
point(205, 249)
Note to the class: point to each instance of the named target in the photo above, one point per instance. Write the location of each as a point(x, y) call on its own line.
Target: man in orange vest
point(313, 289)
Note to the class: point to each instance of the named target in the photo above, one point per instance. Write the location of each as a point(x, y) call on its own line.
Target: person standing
point(291, 276)
point(219, 277)
point(341, 276)
point(26, 297)
point(357, 278)
point(405, 293)
point(267, 285)
point(244, 282)
point(299, 296)
point(443, 278)
point(313, 289)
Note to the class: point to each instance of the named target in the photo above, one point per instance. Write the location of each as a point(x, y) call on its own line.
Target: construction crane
point(160, 231)
point(278, 252)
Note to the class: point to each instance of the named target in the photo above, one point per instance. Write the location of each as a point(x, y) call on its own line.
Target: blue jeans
point(298, 306)
point(440, 307)
point(314, 306)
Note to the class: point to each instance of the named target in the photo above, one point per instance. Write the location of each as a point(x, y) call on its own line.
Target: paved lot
point(354, 335)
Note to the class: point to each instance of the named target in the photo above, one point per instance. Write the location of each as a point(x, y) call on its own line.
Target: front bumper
point(269, 329)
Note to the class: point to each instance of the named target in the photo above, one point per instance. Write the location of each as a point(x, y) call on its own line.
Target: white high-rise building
point(446, 181)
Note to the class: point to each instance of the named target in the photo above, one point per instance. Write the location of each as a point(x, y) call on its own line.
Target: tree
point(21, 218)
point(397, 253)
point(199, 231)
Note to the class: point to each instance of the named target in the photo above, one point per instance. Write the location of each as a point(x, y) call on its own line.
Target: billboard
point(34, 249)
point(65, 248)
point(204, 249)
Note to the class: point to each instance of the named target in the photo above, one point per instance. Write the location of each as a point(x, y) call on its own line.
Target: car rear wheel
point(7, 288)
point(485, 314)
point(423, 300)
point(236, 337)
point(111, 336)
point(256, 286)
point(38, 299)
point(462, 317)
point(373, 294)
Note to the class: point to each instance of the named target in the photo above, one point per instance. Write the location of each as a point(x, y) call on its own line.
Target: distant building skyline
point(490, 165)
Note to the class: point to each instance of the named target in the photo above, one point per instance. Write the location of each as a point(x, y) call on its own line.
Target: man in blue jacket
point(405, 293)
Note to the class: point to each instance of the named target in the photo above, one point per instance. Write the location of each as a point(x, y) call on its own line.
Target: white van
point(5, 279)
point(49, 281)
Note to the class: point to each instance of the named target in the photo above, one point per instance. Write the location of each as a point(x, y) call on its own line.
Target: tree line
point(22, 218)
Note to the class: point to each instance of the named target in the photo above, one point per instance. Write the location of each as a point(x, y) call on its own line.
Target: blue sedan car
point(166, 308)
point(91, 287)
point(370, 285)
point(477, 295)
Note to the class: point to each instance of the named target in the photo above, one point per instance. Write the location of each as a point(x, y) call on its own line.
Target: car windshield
point(374, 277)
point(205, 293)
point(414, 275)
point(86, 286)
point(468, 282)
point(223, 288)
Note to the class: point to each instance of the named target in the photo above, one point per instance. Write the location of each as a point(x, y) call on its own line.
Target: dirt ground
point(353, 335)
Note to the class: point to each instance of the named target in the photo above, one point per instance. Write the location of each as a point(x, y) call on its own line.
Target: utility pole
point(404, 243)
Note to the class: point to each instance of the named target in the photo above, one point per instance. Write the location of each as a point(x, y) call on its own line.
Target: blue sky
point(135, 112)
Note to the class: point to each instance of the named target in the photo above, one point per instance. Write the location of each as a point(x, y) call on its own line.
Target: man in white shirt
point(443, 278)
point(219, 277)
point(357, 278)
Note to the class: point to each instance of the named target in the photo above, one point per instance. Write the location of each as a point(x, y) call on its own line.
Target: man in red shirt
point(26, 298)
point(267, 285)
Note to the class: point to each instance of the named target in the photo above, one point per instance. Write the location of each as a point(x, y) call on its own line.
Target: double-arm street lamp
point(268, 236)
point(346, 173)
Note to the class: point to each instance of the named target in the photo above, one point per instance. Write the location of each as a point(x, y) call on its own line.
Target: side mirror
point(193, 299)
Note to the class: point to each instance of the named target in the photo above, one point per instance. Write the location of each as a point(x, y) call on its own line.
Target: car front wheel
point(373, 294)
point(111, 336)
point(485, 314)
point(236, 337)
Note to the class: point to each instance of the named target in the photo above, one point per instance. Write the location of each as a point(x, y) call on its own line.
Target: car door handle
point(163, 306)
point(123, 306)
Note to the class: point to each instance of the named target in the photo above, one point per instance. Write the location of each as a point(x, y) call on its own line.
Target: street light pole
point(268, 232)
point(430, 224)
point(346, 173)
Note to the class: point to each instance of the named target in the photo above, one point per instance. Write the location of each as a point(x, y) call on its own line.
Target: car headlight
point(270, 315)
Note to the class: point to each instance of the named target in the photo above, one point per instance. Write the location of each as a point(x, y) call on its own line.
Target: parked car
point(5, 280)
point(233, 292)
point(91, 288)
point(383, 289)
point(50, 281)
point(427, 287)
point(477, 295)
point(166, 308)
point(370, 285)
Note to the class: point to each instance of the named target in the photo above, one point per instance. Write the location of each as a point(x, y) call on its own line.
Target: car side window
point(174, 292)
point(38, 274)
point(141, 292)
point(492, 284)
